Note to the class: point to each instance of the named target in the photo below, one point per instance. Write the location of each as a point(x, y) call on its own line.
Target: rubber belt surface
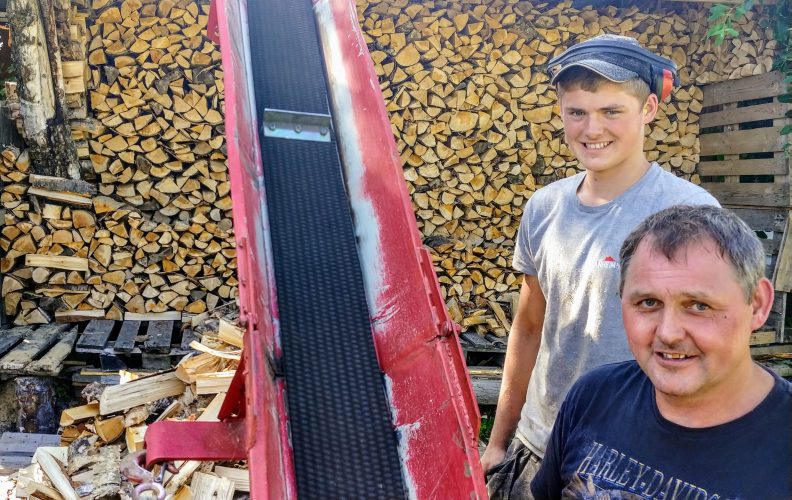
point(341, 428)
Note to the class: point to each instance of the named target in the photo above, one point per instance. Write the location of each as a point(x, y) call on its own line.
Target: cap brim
point(605, 69)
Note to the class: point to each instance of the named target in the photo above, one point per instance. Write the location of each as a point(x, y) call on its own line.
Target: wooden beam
point(165, 316)
point(57, 262)
point(78, 315)
point(73, 199)
point(61, 184)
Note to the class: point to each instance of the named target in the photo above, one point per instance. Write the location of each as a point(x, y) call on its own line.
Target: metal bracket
point(296, 125)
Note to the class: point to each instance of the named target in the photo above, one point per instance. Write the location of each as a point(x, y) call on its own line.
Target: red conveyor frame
point(432, 402)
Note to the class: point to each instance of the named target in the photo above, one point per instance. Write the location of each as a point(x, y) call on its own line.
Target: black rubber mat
point(341, 428)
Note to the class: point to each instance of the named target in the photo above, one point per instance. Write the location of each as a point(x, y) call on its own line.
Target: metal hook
point(157, 488)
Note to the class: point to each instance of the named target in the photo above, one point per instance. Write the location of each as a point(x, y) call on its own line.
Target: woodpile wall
point(477, 124)
point(152, 231)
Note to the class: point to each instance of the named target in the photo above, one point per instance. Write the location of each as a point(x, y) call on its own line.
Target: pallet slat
point(782, 277)
point(159, 337)
point(10, 338)
point(744, 89)
point(32, 345)
point(761, 195)
point(126, 337)
point(769, 111)
point(52, 362)
point(188, 336)
point(769, 166)
point(96, 334)
point(764, 140)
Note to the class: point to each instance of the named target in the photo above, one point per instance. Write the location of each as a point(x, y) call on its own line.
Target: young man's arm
point(523, 347)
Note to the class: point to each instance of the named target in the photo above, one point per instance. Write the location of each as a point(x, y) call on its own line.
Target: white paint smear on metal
point(366, 224)
point(404, 434)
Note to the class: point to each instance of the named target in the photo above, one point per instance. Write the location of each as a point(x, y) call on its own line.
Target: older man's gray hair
point(673, 229)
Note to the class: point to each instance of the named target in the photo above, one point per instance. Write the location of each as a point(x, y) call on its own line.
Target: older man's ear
point(761, 303)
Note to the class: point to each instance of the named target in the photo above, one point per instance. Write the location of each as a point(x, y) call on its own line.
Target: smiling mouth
point(596, 145)
point(674, 356)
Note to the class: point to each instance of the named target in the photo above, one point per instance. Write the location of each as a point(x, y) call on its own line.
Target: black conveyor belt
point(341, 428)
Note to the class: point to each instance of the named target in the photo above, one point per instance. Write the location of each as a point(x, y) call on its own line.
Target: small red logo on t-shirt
point(608, 263)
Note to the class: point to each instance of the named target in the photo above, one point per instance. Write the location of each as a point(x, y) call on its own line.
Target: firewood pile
point(477, 124)
point(154, 226)
point(97, 435)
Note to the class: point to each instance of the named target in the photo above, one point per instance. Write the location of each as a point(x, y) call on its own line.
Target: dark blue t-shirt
point(610, 442)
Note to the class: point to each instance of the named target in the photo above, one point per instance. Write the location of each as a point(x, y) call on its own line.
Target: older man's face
point(688, 322)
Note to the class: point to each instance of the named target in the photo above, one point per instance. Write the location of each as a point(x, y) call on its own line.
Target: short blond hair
point(579, 78)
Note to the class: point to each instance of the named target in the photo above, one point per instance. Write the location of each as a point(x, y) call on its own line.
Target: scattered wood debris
point(97, 435)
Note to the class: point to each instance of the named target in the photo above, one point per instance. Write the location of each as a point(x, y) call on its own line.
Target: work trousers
point(511, 479)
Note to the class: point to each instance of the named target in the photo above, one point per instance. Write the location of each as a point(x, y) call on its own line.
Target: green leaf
point(718, 10)
point(785, 98)
point(731, 31)
point(786, 130)
point(714, 30)
point(748, 4)
point(739, 11)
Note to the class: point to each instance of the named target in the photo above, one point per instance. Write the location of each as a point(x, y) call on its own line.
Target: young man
point(694, 417)
point(568, 319)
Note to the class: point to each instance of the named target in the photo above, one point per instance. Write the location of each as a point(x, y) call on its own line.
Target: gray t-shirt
point(573, 249)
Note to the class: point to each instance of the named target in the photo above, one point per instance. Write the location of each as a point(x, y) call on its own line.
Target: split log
point(140, 391)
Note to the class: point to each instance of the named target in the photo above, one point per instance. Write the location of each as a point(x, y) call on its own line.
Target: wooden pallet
point(472, 342)
point(155, 340)
point(740, 141)
point(743, 164)
point(36, 350)
point(17, 449)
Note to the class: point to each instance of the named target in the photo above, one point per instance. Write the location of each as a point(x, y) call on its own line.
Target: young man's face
point(688, 322)
point(605, 128)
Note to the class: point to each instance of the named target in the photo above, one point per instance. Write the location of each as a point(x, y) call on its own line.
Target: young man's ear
point(650, 108)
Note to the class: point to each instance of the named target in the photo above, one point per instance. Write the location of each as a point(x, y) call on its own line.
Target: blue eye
point(698, 306)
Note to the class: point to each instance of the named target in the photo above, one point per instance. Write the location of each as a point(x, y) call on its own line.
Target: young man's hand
point(521, 352)
point(492, 456)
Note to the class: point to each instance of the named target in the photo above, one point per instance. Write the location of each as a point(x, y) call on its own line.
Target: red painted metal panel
point(431, 396)
point(255, 399)
point(269, 451)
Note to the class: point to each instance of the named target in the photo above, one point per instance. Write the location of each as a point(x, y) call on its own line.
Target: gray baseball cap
point(612, 66)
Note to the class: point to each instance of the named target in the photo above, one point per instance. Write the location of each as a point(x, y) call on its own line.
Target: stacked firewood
point(478, 128)
point(97, 435)
point(153, 147)
point(71, 254)
point(161, 164)
point(750, 53)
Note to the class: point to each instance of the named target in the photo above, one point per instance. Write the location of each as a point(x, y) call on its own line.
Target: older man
point(693, 417)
